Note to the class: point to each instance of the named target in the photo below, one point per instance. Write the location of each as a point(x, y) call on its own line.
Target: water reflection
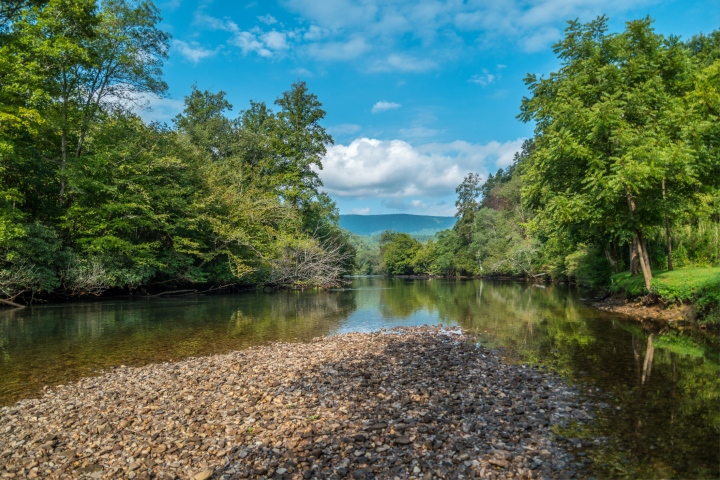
point(60, 343)
point(662, 389)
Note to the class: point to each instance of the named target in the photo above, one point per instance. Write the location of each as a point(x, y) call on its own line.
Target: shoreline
point(422, 402)
point(641, 311)
point(636, 309)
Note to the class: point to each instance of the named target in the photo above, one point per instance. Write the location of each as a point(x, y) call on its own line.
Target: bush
point(588, 267)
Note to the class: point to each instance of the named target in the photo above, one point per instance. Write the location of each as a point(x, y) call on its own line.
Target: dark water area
point(658, 390)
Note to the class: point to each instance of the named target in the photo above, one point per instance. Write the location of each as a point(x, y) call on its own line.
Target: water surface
point(660, 389)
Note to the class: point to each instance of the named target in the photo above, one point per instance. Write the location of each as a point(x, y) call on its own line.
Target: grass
point(681, 285)
point(698, 286)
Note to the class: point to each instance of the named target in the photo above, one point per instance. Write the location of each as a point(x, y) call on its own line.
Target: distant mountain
point(415, 225)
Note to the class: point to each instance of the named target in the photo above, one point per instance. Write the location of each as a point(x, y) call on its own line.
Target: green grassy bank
point(699, 287)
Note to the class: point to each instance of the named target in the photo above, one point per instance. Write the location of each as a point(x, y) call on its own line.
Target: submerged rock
point(420, 402)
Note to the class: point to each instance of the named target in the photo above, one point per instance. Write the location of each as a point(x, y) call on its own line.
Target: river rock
point(414, 402)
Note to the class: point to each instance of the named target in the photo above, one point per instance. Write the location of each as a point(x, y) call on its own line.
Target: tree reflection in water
point(662, 388)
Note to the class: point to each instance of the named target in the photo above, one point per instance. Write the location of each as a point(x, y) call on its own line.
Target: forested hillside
point(92, 198)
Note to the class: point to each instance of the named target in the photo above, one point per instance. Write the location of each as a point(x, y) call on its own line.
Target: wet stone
point(420, 402)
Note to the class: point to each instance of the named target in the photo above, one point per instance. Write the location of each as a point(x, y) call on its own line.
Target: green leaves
point(609, 132)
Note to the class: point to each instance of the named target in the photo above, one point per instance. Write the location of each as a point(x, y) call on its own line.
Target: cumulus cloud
point(434, 23)
point(193, 51)
point(396, 169)
point(264, 44)
point(383, 106)
point(407, 36)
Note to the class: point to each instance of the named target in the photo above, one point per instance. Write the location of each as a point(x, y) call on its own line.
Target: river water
point(658, 391)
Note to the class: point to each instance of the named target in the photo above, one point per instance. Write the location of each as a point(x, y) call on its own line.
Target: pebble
point(421, 402)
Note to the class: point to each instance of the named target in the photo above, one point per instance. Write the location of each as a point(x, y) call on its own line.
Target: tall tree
point(97, 60)
point(606, 134)
point(467, 204)
point(300, 143)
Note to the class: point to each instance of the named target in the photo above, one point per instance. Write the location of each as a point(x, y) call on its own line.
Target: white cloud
point(266, 44)
point(248, 43)
point(275, 40)
point(204, 20)
point(194, 52)
point(360, 211)
point(314, 33)
point(267, 19)
point(152, 108)
point(383, 106)
point(386, 25)
point(411, 36)
point(484, 79)
point(395, 168)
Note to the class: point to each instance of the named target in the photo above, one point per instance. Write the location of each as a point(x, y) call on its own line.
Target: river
point(658, 390)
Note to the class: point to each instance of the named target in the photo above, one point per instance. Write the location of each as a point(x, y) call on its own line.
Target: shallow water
point(660, 390)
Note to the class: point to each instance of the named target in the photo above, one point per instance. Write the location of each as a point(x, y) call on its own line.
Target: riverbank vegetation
point(623, 174)
point(94, 199)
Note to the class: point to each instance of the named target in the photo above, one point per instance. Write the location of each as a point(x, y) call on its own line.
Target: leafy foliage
point(92, 198)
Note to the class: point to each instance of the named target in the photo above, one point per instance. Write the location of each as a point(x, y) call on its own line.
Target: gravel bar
point(421, 402)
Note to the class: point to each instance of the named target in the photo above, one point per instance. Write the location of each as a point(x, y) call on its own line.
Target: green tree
point(467, 204)
point(97, 60)
point(397, 251)
point(300, 143)
point(608, 137)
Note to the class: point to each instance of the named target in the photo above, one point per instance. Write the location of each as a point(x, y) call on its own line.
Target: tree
point(300, 143)
point(466, 204)
point(96, 61)
point(607, 134)
point(397, 251)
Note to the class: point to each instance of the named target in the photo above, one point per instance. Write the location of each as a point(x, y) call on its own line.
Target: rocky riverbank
point(646, 309)
point(413, 403)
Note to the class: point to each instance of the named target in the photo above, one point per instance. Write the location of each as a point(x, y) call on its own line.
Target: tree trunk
point(667, 229)
point(12, 304)
point(634, 262)
point(611, 255)
point(64, 140)
point(644, 260)
point(639, 243)
point(63, 163)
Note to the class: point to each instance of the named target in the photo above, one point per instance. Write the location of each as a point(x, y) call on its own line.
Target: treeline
point(623, 172)
point(92, 198)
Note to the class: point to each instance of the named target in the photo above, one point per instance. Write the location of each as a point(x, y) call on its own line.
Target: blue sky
point(417, 93)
